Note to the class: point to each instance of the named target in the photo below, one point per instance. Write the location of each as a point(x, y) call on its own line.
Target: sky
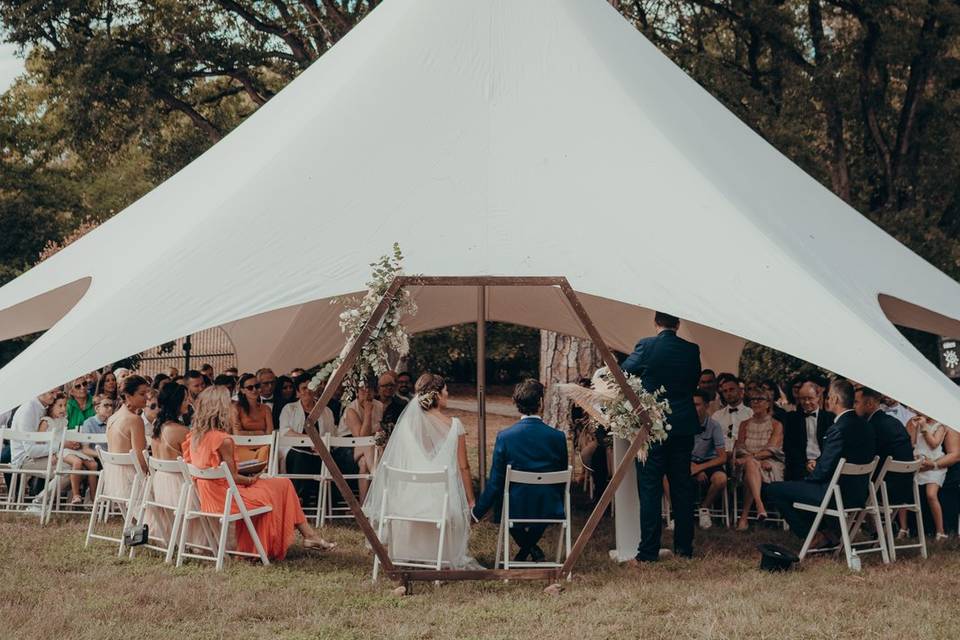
point(10, 66)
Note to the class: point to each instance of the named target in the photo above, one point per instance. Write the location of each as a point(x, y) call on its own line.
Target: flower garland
point(389, 336)
point(624, 422)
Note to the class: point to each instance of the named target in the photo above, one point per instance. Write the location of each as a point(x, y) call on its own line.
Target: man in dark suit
point(673, 363)
point(803, 432)
point(528, 445)
point(892, 440)
point(850, 437)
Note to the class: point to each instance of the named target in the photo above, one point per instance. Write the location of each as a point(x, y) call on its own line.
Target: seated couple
point(427, 439)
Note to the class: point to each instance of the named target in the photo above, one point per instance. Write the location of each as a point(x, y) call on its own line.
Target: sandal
point(318, 545)
point(76, 501)
point(762, 516)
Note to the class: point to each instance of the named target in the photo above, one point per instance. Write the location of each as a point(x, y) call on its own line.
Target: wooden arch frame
point(406, 575)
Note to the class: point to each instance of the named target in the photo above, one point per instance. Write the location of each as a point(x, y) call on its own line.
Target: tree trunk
point(564, 359)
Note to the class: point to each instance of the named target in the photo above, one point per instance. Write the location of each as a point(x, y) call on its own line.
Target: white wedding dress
point(421, 442)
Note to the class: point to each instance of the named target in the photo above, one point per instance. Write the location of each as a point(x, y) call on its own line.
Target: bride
point(425, 439)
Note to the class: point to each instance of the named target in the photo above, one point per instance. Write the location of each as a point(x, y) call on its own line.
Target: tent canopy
point(504, 137)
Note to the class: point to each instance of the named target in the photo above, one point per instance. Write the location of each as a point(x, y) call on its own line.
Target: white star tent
point(499, 137)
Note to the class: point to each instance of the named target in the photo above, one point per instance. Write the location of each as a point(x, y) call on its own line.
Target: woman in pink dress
point(207, 445)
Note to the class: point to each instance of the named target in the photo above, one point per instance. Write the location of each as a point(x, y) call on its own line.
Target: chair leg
point(496, 558)
point(256, 540)
point(222, 542)
point(810, 534)
point(93, 518)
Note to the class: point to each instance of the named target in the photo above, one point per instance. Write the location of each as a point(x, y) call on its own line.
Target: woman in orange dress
point(207, 445)
point(252, 418)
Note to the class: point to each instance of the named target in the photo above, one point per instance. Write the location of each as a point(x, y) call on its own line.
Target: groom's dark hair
point(666, 320)
point(527, 396)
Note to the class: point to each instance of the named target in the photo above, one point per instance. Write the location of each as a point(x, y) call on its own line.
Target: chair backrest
point(898, 466)
point(850, 469)
point(221, 472)
point(89, 438)
point(417, 477)
point(349, 441)
point(29, 436)
point(530, 477)
point(254, 441)
point(165, 466)
point(294, 441)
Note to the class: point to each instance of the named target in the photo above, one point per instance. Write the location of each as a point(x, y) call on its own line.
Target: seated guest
point(286, 393)
point(97, 423)
point(949, 495)
point(708, 458)
point(31, 455)
point(79, 404)
point(56, 417)
point(893, 408)
point(125, 433)
point(363, 417)
point(159, 381)
point(928, 436)
point(803, 432)
point(529, 445)
point(195, 383)
point(251, 418)
point(893, 440)
point(733, 412)
point(169, 431)
point(84, 457)
point(149, 414)
point(268, 385)
point(850, 437)
point(295, 373)
point(227, 382)
point(304, 460)
point(772, 389)
point(107, 386)
point(206, 369)
point(708, 383)
point(758, 455)
point(207, 445)
point(405, 385)
point(393, 405)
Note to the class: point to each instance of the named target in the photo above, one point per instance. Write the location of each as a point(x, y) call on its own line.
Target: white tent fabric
point(503, 137)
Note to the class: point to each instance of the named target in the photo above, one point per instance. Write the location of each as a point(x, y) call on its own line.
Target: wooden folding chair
point(389, 515)
point(226, 518)
point(506, 522)
point(126, 500)
point(847, 516)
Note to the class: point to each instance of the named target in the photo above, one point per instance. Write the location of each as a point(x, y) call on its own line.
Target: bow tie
point(812, 414)
point(733, 409)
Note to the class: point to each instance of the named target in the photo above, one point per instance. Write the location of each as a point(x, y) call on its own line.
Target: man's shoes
point(705, 521)
point(523, 555)
point(664, 554)
point(536, 554)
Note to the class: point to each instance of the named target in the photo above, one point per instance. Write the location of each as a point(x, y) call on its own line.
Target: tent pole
point(481, 384)
point(187, 346)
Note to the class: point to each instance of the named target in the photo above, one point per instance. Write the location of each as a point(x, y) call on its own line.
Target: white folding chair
point(506, 522)
point(20, 476)
point(55, 505)
point(281, 447)
point(888, 511)
point(256, 442)
point(175, 469)
point(226, 518)
point(326, 508)
point(847, 516)
point(388, 514)
point(125, 499)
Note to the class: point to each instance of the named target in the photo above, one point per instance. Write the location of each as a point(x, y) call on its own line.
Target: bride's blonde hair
point(213, 410)
point(428, 388)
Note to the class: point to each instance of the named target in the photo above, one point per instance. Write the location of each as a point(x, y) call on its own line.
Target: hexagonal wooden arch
point(407, 575)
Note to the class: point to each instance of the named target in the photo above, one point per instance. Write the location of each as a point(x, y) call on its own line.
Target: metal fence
point(211, 346)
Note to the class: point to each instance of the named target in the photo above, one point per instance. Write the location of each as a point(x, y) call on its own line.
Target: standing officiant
point(667, 361)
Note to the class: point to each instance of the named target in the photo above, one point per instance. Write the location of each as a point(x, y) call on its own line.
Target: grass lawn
point(50, 586)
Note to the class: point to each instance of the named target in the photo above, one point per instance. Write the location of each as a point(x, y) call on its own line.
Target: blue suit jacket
point(853, 439)
point(528, 445)
point(671, 362)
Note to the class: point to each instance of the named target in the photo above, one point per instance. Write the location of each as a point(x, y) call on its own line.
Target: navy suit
point(851, 438)
point(893, 440)
point(673, 363)
point(528, 445)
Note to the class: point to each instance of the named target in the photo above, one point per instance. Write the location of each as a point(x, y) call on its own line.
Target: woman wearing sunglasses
point(758, 454)
point(79, 403)
point(251, 418)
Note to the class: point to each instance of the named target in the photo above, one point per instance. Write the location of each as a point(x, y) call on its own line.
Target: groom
point(529, 445)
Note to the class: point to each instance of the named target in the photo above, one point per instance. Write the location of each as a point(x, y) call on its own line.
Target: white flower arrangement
point(389, 336)
point(606, 402)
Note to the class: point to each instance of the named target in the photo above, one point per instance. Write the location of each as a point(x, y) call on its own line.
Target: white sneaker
point(669, 525)
point(705, 520)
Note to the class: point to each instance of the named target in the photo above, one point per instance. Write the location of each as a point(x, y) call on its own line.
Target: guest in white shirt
point(28, 455)
point(734, 412)
point(268, 385)
point(893, 408)
point(303, 460)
